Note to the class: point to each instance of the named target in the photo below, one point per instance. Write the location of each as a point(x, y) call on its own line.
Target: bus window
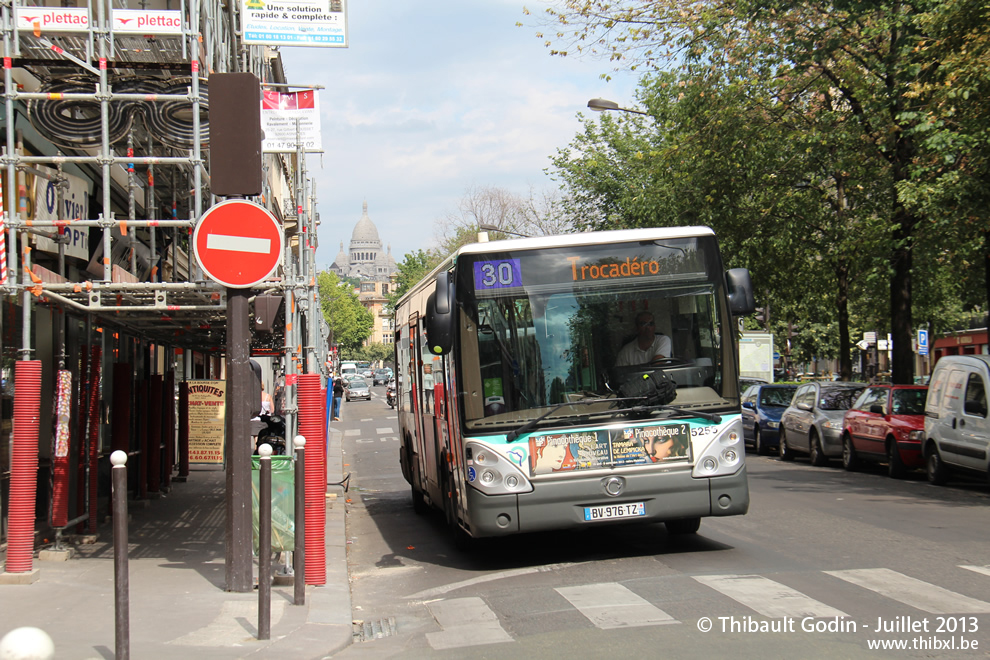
point(426, 370)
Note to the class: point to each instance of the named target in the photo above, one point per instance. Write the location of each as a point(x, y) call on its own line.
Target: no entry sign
point(238, 243)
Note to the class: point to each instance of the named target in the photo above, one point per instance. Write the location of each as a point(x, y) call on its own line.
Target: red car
point(886, 424)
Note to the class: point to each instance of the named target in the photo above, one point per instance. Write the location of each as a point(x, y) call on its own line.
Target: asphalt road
point(822, 560)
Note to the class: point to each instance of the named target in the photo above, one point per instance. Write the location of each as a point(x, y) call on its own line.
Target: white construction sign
point(295, 22)
point(75, 206)
point(279, 114)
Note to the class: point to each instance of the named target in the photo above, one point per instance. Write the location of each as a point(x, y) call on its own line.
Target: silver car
point(812, 424)
point(357, 388)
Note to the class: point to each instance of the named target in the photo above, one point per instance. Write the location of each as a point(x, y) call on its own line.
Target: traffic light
point(235, 134)
point(266, 310)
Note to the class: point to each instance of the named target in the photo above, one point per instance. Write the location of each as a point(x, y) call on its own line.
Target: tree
point(872, 55)
point(350, 322)
point(413, 267)
point(541, 214)
point(780, 188)
point(376, 353)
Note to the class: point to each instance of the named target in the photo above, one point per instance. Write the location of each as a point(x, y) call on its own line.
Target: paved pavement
point(178, 606)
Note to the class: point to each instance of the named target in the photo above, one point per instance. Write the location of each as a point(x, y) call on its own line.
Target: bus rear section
point(522, 409)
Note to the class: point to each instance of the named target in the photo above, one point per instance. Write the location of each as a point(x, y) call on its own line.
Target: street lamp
point(486, 227)
point(601, 105)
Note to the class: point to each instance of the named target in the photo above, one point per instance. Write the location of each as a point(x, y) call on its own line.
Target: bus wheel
point(683, 526)
point(419, 505)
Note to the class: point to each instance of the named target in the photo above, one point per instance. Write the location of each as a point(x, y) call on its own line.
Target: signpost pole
point(239, 565)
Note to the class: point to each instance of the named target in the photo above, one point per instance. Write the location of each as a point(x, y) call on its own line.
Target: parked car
point(382, 376)
point(746, 383)
point(886, 424)
point(357, 388)
point(762, 406)
point(812, 424)
point(957, 431)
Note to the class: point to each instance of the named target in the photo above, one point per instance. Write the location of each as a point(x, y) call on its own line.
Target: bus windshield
point(540, 328)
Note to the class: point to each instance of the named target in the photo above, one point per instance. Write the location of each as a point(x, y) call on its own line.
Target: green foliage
point(413, 267)
point(840, 151)
point(350, 322)
point(377, 353)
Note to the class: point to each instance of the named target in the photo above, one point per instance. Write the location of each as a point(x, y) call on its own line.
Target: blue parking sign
point(922, 342)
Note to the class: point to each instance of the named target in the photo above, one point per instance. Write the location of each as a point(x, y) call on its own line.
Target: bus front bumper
point(562, 504)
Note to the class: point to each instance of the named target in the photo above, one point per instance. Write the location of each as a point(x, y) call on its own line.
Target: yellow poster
point(207, 399)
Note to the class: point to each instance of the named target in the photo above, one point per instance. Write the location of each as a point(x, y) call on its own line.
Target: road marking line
point(491, 577)
point(921, 595)
point(352, 432)
point(238, 243)
point(983, 570)
point(465, 622)
point(384, 430)
point(611, 605)
point(769, 598)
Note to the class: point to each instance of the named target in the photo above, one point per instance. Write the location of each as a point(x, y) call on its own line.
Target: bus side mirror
point(440, 316)
point(740, 291)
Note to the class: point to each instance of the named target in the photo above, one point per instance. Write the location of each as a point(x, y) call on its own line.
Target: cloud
point(430, 100)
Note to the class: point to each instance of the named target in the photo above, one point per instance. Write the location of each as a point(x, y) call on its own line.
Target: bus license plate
point(613, 511)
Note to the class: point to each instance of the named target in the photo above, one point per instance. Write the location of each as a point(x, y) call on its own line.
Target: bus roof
point(562, 240)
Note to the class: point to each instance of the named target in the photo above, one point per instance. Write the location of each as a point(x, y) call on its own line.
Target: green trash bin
point(283, 502)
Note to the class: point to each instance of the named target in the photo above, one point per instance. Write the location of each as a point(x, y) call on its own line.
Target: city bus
point(515, 414)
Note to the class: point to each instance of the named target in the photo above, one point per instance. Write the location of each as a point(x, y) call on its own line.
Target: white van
point(957, 430)
point(348, 369)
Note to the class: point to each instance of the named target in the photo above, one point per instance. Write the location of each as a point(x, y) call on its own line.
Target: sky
point(431, 100)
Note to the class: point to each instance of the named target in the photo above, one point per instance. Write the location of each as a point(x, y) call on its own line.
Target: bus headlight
point(723, 455)
point(493, 474)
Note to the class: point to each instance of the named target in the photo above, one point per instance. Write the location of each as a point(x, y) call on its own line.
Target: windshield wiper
point(711, 417)
point(531, 424)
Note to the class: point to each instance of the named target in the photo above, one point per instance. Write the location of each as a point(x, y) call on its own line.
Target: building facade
point(374, 269)
point(365, 260)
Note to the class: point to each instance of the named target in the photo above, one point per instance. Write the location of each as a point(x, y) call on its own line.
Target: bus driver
point(648, 345)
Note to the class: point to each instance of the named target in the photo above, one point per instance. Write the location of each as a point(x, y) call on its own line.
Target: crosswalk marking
point(921, 595)
point(385, 430)
point(390, 438)
point(352, 432)
point(611, 605)
point(465, 622)
point(470, 621)
point(769, 598)
point(983, 570)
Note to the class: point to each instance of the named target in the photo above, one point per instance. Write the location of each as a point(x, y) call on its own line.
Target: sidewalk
point(178, 606)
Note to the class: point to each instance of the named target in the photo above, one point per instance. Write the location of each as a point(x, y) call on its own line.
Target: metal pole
point(265, 543)
point(238, 457)
point(120, 578)
point(299, 552)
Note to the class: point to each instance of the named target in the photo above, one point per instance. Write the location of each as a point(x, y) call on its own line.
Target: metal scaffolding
point(88, 97)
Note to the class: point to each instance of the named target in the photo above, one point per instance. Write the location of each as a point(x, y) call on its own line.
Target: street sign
point(922, 342)
point(238, 243)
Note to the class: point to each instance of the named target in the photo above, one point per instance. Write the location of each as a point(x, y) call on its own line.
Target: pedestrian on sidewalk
point(338, 394)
